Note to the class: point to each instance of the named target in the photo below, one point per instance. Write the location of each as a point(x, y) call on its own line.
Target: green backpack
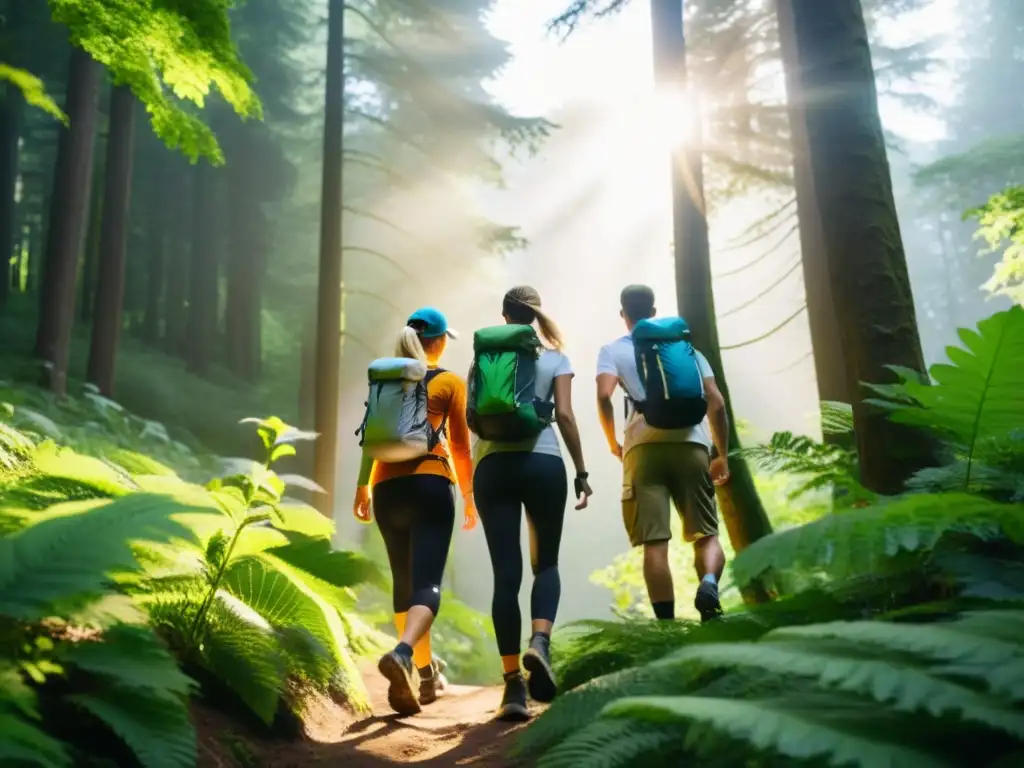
point(502, 390)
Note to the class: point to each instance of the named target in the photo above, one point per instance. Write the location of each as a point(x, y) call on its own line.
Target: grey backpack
point(395, 426)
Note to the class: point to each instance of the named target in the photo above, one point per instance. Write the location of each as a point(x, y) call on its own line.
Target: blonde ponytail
point(522, 304)
point(409, 345)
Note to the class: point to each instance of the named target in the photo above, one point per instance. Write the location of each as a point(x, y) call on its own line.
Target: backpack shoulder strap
point(438, 433)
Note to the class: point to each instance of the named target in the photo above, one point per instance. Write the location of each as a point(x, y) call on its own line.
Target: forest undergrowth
point(894, 635)
point(138, 572)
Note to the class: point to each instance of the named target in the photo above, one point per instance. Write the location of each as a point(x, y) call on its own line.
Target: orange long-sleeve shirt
point(446, 393)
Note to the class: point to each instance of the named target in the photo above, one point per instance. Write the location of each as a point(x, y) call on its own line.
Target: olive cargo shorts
point(655, 475)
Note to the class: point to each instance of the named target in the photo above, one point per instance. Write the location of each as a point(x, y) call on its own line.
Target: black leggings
point(416, 515)
point(503, 484)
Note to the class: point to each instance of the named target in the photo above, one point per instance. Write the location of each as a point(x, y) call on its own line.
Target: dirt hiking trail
point(457, 730)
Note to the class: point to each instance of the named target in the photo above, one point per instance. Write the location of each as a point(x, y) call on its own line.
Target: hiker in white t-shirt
point(663, 465)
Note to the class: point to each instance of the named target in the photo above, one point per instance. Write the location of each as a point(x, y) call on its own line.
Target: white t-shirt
point(550, 365)
point(618, 359)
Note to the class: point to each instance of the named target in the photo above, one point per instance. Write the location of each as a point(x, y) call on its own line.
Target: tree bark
point(241, 243)
point(203, 288)
point(744, 515)
point(69, 207)
point(91, 257)
point(829, 365)
point(157, 246)
point(861, 232)
point(328, 323)
point(177, 263)
point(11, 112)
point(106, 325)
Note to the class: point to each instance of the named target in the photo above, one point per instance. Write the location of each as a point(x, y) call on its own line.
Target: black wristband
point(577, 483)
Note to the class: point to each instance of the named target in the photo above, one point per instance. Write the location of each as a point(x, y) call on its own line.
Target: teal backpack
point(502, 404)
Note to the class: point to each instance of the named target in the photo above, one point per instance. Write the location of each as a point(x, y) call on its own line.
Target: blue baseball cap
point(433, 323)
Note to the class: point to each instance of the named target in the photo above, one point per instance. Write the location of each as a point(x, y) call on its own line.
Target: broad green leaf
point(770, 725)
point(66, 560)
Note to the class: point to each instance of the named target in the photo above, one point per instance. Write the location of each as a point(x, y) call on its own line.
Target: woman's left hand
point(583, 492)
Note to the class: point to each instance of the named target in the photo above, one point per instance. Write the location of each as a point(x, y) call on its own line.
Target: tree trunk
point(328, 321)
point(106, 325)
point(157, 246)
point(69, 208)
point(742, 511)
point(203, 288)
point(240, 245)
point(91, 258)
point(829, 365)
point(251, 323)
point(178, 256)
point(866, 263)
point(11, 111)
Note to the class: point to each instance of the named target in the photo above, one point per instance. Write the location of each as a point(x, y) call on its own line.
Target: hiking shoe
point(513, 707)
point(433, 685)
point(706, 601)
point(398, 670)
point(537, 661)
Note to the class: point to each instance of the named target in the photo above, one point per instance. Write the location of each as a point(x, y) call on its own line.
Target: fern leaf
point(575, 710)
point(137, 463)
point(860, 541)
point(279, 593)
point(836, 417)
point(23, 743)
point(767, 725)
point(156, 729)
point(907, 689)
point(131, 657)
point(997, 663)
point(978, 400)
point(65, 559)
point(338, 568)
point(15, 448)
point(614, 744)
point(244, 653)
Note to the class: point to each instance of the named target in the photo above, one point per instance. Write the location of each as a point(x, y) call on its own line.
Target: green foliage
point(819, 465)
point(976, 405)
point(32, 89)
point(65, 563)
point(895, 640)
point(1001, 225)
point(165, 51)
point(239, 582)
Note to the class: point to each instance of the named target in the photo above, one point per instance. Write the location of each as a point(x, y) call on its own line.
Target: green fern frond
point(283, 597)
point(131, 657)
point(615, 744)
point(65, 560)
point(572, 712)
point(776, 726)
point(821, 464)
point(337, 568)
point(22, 740)
point(846, 668)
point(836, 417)
point(156, 728)
point(977, 401)
point(24, 743)
point(15, 448)
point(137, 463)
point(243, 651)
point(860, 541)
point(962, 650)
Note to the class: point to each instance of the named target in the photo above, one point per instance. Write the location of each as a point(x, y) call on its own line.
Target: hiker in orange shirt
point(416, 447)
